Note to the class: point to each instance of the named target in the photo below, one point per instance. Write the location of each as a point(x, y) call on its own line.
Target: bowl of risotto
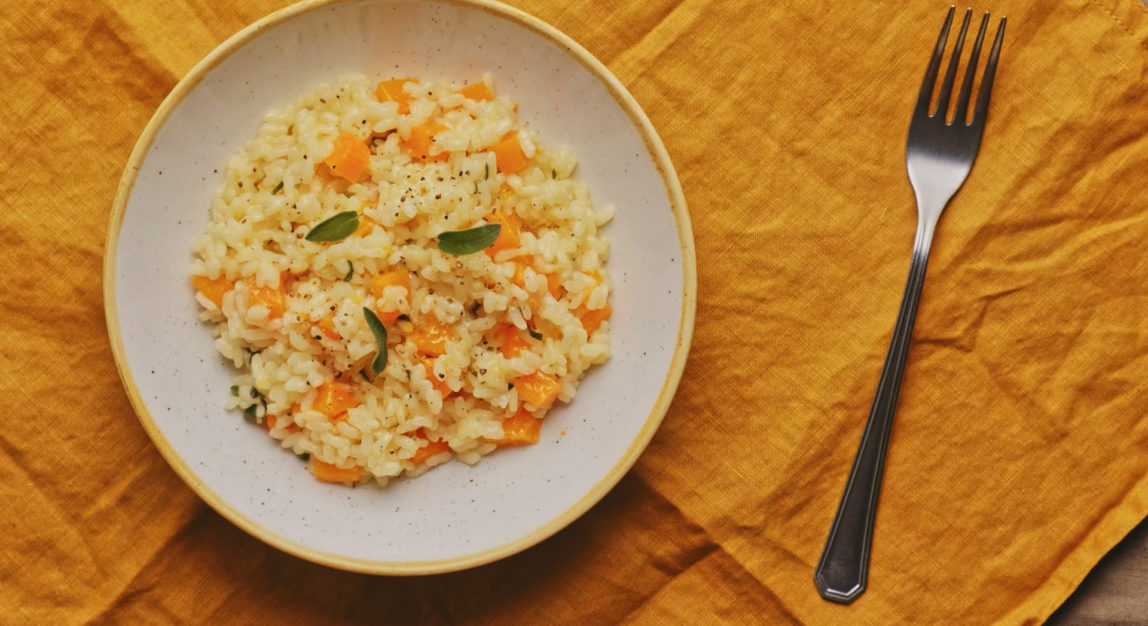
point(399, 287)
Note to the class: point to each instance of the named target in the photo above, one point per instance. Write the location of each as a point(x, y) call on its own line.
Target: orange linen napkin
point(1020, 450)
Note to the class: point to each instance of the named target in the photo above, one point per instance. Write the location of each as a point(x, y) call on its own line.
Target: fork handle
point(843, 570)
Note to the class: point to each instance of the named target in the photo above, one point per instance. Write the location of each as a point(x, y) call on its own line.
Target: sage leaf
point(277, 188)
point(534, 333)
point(469, 241)
point(380, 333)
point(350, 272)
point(337, 228)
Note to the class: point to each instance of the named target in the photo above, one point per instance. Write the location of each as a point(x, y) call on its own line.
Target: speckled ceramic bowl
point(455, 516)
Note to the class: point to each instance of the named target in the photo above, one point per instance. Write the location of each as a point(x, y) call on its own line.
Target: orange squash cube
point(395, 278)
point(349, 158)
point(430, 336)
point(509, 236)
point(520, 429)
point(328, 473)
point(439, 385)
point(508, 154)
point(477, 91)
point(513, 343)
point(592, 318)
point(271, 297)
point(326, 325)
point(334, 399)
point(430, 449)
point(539, 389)
point(392, 91)
point(421, 140)
point(212, 288)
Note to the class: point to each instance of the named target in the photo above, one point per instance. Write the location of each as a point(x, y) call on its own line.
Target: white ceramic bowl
point(454, 516)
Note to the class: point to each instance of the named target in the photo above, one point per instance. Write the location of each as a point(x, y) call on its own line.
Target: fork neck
point(926, 226)
point(930, 204)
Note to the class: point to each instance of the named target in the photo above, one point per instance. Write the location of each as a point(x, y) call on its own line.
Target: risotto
point(402, 274)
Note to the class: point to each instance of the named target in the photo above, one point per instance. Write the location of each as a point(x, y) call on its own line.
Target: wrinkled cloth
point(1019, 455)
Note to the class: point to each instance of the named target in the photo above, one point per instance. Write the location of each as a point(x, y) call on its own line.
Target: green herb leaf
point(350, 272)
point(380, 333)
point(336, 228)
point(249, 413)
point(277, 188)
point(553, 174)
point(469, 241)
point(534, 333)
point(235, 390)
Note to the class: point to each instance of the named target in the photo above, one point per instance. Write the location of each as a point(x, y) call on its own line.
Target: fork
point(939, 155)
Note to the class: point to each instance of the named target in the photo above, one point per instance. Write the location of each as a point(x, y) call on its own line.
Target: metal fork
point(939, 155)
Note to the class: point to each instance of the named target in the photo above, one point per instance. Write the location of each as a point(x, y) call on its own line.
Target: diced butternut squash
point(349, 158)
point(387, 317)
point(431, 449)
point(554, 286)
point(328, 473)
point(379, 282)
point(508, 154)
point(326, 325)
point(509, 236)
point(539, 389)
point(270, 421)
point(394, 278)
point(212, 288)
point(513, 343)
point(430, 336)
point(520, 429)
point(333, 399)
point(271, 297)
point(420, 142)
point(366, 225)
point(439, 385)
point(392, 91)
point(477, 91)
point(553, 283)
point(592, 318)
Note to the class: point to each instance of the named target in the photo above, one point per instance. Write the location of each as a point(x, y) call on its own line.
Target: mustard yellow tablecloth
point(1020, 452)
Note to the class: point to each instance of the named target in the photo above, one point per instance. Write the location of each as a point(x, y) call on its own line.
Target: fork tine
point(951, 74)
point(962, 111)
point(987, 81)
point(934, 64)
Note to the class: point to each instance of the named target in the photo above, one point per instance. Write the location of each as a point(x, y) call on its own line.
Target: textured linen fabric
point(1019, 454)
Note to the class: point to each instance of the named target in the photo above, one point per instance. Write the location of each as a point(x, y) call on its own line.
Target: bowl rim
point(369, 566)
